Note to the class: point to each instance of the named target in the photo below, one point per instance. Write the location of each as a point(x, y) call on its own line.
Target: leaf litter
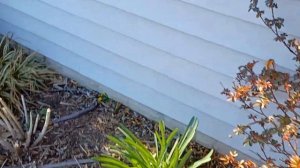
point(71, 143)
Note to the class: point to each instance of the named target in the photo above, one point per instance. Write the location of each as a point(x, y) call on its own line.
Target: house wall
point(170, 56)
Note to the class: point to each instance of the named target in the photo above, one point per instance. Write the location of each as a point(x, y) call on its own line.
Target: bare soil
point(84, 136)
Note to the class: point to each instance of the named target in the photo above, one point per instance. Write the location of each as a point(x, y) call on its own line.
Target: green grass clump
point(169, 151)
point(21, 72)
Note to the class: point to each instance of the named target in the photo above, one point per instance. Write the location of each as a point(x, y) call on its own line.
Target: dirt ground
point(79, 139)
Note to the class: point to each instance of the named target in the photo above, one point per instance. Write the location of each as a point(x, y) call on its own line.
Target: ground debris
point(76, 141)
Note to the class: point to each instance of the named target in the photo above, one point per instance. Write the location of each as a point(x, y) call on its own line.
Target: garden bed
point(77, 140)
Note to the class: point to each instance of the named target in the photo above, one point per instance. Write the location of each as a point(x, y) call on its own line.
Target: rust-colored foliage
point(273, 97)
point(230, 160)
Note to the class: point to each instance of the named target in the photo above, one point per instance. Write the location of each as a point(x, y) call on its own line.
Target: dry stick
point(75, 114)
point(41, 135)
point(29, 132)
point(24, 109)
point(3, 163)
point(77, 162)
point(36, 123)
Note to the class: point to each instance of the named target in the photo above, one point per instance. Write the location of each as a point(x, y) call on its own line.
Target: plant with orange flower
point(294, 161)
point(273, 97)
point(230, 160)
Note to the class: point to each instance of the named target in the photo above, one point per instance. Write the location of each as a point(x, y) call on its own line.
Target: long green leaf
point(188, 135)
point(163, 138)
point(110, 161)
point(175, 158)
point(125, 131)
point(175, 147)
point(127, 150)
point(139, 146)
point(144, 154)
point(156, 147)
point(171, 136)
point(185, 157)
point(206, 159)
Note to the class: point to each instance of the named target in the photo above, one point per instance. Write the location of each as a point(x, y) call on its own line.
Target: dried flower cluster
point(273, 97)
point(230, 160)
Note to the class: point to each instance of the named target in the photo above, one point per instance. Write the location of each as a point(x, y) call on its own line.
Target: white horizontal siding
point(206, 92)
point(182, 45)
point(288, 9)
point(171, 60)
point(205, 24)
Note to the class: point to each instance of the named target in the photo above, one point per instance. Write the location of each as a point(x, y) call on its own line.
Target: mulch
point(77, 139)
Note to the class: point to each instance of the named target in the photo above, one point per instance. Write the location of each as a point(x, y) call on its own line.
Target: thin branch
point(277, 35)
point(3, 163)
point(293, 148)
point(77, 162)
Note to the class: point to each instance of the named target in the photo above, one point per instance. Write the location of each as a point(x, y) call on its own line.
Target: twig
point(83, 149)
point(41, 135)
point(41, 146)
point(66, 104)
point(75, 114)
point(77, 162)
point(24, 109)
point(277, 35)
point(23, 166)
point(3, 163)
point(36, 123)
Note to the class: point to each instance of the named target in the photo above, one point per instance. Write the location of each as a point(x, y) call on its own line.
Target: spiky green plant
point(20, 72)
point(170, 151)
